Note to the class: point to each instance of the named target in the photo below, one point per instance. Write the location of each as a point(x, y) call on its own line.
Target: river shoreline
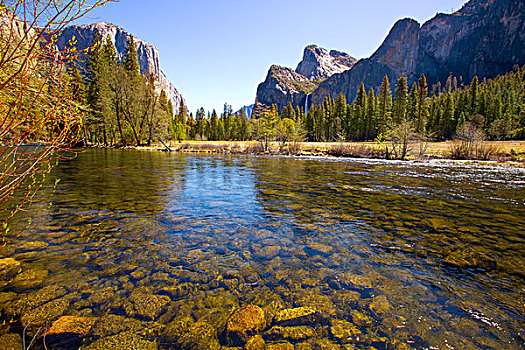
point(510, 154)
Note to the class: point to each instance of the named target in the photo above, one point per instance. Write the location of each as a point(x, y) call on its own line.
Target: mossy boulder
point(380, 305)
point(146, 306)
point(467, 258)
point(244, 323)
point(179, 290)
point(255, 343)
point(29, 279)
point(290, 333)
point(72, 324)
point(280, 346)
point(356, 281)
point(8, 268)
point(304, 346)
point(47, 312)
point(177, 328)
point(321, 303)
point(68, 332)
point(109, 325)
point(297, 317)
point(201, 335)
point(122, 341)
point(10, 342)
point(343, 331)
point(326, 344)
point(360, 318)
point(43, 296)
point(320, 248)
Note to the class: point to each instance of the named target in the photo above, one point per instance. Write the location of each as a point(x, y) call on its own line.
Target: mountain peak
point(319, 63)
point(148, 54)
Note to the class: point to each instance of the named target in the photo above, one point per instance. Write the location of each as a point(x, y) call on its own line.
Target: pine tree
point(412, 104)
point(474, 96)
point(214, 122)
point(447, 122)
point(95, 90)
point(76, 84)
point(421, 103)
point(384, 107)
point(130, 60)
point(400, 101)
point(370, 132)
point(340, 114)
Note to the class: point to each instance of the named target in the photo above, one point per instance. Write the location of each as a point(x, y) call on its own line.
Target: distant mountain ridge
point(484, 38)
point(248, 110)
point(148, 54)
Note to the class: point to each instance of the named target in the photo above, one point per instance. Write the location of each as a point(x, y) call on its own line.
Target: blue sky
point(217, 51)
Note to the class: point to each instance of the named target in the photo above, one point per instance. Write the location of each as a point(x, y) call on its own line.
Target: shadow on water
point(161, 249)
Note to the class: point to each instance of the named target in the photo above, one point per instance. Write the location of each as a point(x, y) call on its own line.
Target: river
point(163, 248)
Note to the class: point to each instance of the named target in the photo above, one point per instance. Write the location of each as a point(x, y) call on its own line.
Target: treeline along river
point(178, 251)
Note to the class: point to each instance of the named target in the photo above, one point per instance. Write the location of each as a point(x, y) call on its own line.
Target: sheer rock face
point(319, 63)
point(485, 38)
point(281, 87)
point(148, 55)
point(284, 85)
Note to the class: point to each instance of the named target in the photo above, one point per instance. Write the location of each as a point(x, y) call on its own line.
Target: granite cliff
point(485, 38)
point(148, 55)
point(285, 85)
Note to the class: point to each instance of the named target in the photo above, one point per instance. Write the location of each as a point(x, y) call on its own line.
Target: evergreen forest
point(123, 108)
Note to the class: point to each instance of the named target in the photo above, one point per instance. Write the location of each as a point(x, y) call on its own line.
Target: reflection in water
point(167, 247)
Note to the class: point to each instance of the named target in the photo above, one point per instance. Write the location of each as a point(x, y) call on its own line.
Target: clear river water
point(164, 248)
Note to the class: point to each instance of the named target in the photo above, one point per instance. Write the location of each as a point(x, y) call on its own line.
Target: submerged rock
point(290, 333)
point(344, 331)
point(200, 335)
point(380, 305)
point(325, 344)
point(122, 341)
point(29, 279)
point(280, 346)
point(466, 258)
point(244, 323)
point(320, 248)
point(11, 342)
point(69, 331)
point(109, 325)
point(255, 343)
point(72, 324)
point(297, 317)
point(8, 268)
point(360, 318)
point(145, 305)
point(48, 312)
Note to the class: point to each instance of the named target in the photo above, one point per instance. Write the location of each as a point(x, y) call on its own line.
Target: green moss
point(109, 325)
point(360, 318)
point(255, 343)
point(380, 305)
point(298, 316)
point(200, 335)
point(146, 306)
point(290, 333)
point(10, 342)
point(122, 341)
point(344, 331)
point(280, 346)
point(48, 312)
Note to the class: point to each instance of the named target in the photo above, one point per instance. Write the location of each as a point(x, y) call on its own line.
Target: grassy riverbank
point(501, 152)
